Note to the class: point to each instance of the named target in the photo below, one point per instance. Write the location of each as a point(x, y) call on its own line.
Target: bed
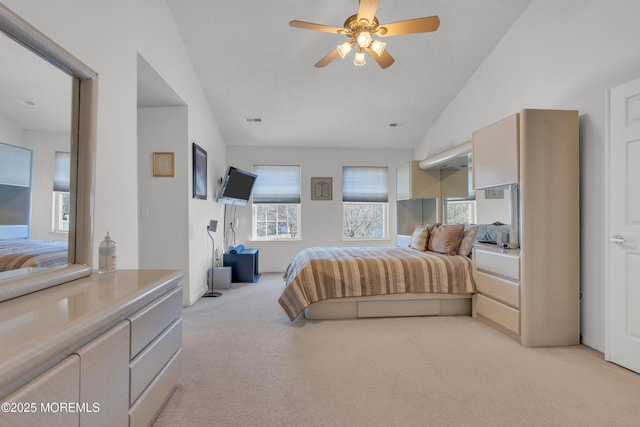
point(350, 282)
point(23, 253)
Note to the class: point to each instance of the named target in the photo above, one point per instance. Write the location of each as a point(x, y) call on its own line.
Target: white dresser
point(497, 275)
point(98, 351)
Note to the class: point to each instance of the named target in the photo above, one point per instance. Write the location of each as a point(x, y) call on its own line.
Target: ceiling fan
point(360, 29)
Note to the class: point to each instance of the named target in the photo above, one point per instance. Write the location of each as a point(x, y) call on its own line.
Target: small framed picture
point(321, 188)
point(494, 194)
point(163, 164)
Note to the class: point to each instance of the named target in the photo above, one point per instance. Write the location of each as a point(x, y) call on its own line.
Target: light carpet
point(246, 364)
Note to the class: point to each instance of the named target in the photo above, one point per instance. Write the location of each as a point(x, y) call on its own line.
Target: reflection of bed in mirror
point(25, 253)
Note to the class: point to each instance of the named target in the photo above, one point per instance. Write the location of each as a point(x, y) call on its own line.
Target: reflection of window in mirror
point(35, 115)
point(459, 211)
point(60, 214)
point(61, 199)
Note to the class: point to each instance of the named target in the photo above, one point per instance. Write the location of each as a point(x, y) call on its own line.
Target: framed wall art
point(321, 188)
point(199, 172)
point(163, 164)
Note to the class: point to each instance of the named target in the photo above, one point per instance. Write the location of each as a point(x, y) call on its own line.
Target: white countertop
point(42, 328)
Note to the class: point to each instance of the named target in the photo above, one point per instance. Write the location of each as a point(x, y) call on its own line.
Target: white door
point(623, 307)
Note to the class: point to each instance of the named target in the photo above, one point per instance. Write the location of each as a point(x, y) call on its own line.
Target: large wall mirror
point(496, 210)
point(48, 120)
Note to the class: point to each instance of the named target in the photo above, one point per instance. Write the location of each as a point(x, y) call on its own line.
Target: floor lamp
point(213, 224)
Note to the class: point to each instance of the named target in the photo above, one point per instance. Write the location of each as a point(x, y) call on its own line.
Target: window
point(276, 202)
point(60, 211)
point(61, 199)
point(365, 202)
point(459, 211)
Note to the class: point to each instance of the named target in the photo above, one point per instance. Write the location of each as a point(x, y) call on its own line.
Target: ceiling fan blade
point(327, 59)
point(384, 60)
point(410, 26)
point(316, 27)
point(367, 9)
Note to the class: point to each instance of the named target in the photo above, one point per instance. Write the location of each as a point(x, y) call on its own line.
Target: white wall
point(108, 36)
point(562, 55)
point(163, 239)
point(321, 220)
point(10, 133)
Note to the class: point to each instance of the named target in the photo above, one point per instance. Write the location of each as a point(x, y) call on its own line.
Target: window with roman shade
point(62, 171)
point(276, 184)
point(276, 202)
point(365, 196)
point(365, 184)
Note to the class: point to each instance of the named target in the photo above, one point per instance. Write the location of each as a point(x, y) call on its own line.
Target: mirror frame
point(83, 154)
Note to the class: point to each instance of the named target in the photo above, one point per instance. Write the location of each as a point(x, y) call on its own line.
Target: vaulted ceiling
point(253, 65)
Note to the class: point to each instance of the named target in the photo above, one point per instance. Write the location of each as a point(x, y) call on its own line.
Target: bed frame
point(393, 305)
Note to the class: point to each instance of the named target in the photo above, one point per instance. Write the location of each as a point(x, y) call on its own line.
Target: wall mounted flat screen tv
point(236, 187)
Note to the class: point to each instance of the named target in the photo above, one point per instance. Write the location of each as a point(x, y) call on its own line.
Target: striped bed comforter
point(317, 274)
point(22, 253)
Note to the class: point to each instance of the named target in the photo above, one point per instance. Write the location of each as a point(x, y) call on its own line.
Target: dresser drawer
point(498, 263)
point(498, 288)
point(499, 313)
point(147, 407)
point(153, 319)
point(151, 360)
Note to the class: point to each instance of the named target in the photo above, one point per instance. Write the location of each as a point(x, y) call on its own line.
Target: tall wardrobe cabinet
point(532, 293)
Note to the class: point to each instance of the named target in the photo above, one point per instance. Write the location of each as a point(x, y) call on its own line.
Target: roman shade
point(62, 171)
point(365, 184)
point(276, 184)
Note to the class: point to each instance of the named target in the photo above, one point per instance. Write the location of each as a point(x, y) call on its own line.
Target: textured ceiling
point(253, 64)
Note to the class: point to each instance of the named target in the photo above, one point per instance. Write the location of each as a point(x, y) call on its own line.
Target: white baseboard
point(594, 344)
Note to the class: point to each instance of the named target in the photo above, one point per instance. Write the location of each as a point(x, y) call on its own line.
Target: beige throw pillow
point(445, 239)
point(420, 237)
point(469, 236)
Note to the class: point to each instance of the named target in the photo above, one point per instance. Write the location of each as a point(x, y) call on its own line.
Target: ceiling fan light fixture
point(363, 38)
point(359, 58)
point(361, 27)
point(345, 48)
point(378, 47)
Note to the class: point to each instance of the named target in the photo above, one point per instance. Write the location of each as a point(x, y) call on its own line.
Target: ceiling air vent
point(254, 119)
